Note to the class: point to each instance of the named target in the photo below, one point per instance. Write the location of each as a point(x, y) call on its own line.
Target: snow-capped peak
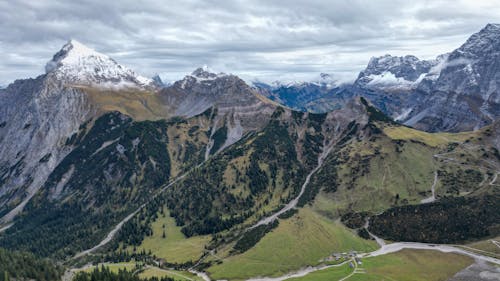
point(392, 72)
point(78, 64)
point(322, 80)
point(205, 74)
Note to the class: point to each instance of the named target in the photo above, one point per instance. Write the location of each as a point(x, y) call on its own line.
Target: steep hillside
point(25, 266)
point(117, 165)
point(81, 85)
point(38, 115)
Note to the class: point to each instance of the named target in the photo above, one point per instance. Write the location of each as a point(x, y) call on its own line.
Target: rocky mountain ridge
point(82, 84)
point(78, 64)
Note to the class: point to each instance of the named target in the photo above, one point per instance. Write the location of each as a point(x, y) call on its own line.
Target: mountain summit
point(391, 71)
point(79, 64)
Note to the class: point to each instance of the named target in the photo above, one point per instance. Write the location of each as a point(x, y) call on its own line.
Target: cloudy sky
point(283, 40)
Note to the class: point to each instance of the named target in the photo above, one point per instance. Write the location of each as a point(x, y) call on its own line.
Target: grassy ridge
point(301, 240)
point(375, 175)
point(431, 139)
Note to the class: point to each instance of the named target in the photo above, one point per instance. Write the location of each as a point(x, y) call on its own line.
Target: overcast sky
point(284, 40)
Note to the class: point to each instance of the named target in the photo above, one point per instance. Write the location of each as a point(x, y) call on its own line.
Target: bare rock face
point(237, 106)
point(462, 90)
point(391, 72)
point(455, 92)
point(37, 116)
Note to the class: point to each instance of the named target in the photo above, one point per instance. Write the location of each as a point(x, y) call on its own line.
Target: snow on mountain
point(394, 72)
point(474, 67)
point(78, 64)
point(462, 90)
point(203, 75)
point(322, 80)
point(206, 74)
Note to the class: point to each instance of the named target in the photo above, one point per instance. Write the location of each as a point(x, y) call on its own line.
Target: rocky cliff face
point(81, 84)
point(38, 116)
point(237, 106)
point(390, 72)
point(462, 91)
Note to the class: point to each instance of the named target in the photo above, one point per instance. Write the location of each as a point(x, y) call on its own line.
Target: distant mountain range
point(96, 159)
point(455, 92)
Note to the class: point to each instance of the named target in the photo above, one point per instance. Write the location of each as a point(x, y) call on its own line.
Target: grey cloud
point(252, 38)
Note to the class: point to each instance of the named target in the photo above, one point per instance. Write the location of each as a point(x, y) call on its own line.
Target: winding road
point(395, 247)
point(300, 273)
point(384, 248)
point(293, 203)
point(115, 230)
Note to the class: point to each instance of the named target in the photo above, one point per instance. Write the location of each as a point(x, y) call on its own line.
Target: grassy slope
point(333, 273)
point(299, 241)
point(431, 139)
point(175, 247)
point(487, 247)
point(399, 162)
point(406, 265)
point(139, 104)
point(176, 274)
point(413, 265)
point(114, 267)
point(373, 174)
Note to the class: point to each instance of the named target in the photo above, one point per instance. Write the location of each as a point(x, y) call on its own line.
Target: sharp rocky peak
point(485, 41)
point(403, 72)
point(78, 64)
point(205, 73)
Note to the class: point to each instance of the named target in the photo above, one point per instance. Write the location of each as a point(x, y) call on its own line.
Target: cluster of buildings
point(343, 256)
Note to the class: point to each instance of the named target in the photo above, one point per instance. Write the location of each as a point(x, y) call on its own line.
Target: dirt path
point(379, 240)
point(395, 247)
point(292, 204)
point(3, 228)
point(492, 182)
point(385, 249)
point(300, 273)
point(115, 230)
point(433, 189)
point(170, 272)
point(353, 272)
point(202, 275)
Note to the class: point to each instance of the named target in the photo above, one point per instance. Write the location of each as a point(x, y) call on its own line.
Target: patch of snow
point(387, 79)
point(322, 80)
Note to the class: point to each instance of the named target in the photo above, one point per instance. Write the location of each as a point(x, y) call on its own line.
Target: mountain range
point(454, 92)
point(209, 173)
